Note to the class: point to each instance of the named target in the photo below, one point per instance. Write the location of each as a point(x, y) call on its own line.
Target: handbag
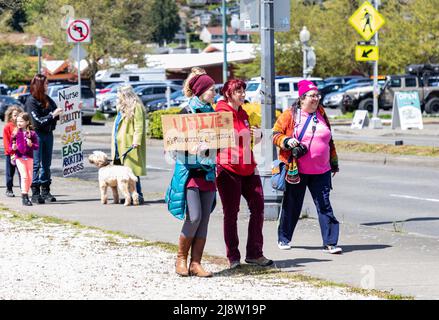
point(278, 174)
point(279, 169)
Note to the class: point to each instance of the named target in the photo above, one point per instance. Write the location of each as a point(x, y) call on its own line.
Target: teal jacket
point(176, 193)
point(184, 162)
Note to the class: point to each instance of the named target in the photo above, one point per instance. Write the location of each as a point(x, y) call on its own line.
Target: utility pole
point(224, 42)
point(272, 198)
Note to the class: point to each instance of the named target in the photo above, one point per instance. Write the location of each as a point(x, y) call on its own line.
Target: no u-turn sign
point(78, 31)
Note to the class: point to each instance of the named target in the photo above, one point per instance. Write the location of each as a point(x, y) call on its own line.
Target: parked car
point(342, 79)
point(152, 92)
point(5, 103)
point(359, 80)
point(176, 99)
point(285, 87)
point(87, 97)
point(105, 101)
point(420, 83)
point(4, 89)
point(108, 88)
point(334, 100)
point(19, 91)
point(329, 88)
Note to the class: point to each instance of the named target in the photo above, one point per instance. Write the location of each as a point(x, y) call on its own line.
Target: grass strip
point(355, 146)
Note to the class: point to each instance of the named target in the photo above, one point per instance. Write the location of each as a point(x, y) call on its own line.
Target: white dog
point(114, 176)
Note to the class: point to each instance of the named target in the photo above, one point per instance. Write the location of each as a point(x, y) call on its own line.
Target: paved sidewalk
point(400, 263)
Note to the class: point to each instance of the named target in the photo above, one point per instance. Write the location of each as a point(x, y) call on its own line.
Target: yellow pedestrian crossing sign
point(366, 20)
point(366, 53)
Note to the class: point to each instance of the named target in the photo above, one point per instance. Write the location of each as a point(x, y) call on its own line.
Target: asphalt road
point(398, 198)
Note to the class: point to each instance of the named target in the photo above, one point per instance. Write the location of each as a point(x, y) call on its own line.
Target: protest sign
point(185, 131)
point(70, 126)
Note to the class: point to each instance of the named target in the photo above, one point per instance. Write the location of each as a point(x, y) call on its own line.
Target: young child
point(10, 119)
point(24, 141)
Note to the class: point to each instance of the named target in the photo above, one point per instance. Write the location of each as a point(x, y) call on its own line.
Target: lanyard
point(299, 119)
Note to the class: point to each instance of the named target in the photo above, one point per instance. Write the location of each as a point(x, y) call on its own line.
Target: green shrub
point(155, 122)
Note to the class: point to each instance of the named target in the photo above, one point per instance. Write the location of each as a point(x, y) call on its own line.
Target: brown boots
point(183, 249)
point(195, 268)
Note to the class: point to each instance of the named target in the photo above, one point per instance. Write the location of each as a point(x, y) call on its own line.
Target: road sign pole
point(78, 59)
point(375, 122)
point(272, 199)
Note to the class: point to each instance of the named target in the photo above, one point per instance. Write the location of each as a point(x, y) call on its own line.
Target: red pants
point(25, 168)
point(230, 187)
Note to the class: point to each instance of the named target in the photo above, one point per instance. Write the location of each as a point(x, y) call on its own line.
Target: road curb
point(387, 159)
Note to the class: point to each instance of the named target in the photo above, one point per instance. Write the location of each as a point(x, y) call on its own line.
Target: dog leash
point(124, 155)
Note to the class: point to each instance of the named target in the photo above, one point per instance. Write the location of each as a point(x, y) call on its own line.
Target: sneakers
point(234, 264)
point(10, 193)
point(262, 261)
point(283, 245)
point(332, 249)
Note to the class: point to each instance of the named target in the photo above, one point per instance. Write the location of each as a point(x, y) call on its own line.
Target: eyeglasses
point(313, 96)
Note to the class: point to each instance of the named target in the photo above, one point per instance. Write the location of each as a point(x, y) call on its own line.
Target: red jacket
point(239, 159)
point(7, 133)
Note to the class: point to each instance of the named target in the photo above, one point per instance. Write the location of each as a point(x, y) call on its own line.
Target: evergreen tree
point(164, 17)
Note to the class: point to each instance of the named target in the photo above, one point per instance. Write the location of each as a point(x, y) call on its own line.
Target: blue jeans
point(320, 186)
point(10, 172)
point(43, 159)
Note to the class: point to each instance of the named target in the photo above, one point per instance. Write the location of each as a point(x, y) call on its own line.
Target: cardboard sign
point(360, 120)
point(185, 131)
point(70, 126)
point(407, 110)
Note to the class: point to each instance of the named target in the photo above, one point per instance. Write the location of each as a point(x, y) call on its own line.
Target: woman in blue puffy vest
point(192, 192)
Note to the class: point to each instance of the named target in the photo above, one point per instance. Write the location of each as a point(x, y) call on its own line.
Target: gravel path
point(40, 260)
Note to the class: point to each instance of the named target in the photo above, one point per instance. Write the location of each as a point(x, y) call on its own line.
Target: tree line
point(121, 28)
point(410, 35)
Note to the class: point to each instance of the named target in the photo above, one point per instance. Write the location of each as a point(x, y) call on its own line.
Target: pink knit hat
point(305, 86)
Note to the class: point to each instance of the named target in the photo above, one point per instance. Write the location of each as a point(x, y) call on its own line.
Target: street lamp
point(39, 44)
point(304, 38)
point(234, 23)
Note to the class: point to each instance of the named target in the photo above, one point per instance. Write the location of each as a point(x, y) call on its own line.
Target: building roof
point(219, 31)
point(233, 47)
point(187, 61)
point(24, 39)
point(57, 66)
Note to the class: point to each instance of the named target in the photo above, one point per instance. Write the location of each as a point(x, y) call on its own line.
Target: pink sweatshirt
point(316, 160)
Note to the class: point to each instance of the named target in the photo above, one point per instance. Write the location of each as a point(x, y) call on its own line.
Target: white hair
point(127, 100)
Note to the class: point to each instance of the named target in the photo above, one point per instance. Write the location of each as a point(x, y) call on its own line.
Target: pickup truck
point(362, 98)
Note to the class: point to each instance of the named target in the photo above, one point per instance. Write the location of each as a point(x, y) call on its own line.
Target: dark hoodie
point(42, 119)
point(239, 159)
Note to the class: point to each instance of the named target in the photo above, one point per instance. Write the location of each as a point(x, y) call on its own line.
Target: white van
point(286, 88)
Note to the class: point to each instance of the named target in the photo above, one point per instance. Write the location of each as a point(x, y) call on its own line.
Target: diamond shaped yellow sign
point(366, 20)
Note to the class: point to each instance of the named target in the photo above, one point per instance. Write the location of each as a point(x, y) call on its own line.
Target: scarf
point(199, 106)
